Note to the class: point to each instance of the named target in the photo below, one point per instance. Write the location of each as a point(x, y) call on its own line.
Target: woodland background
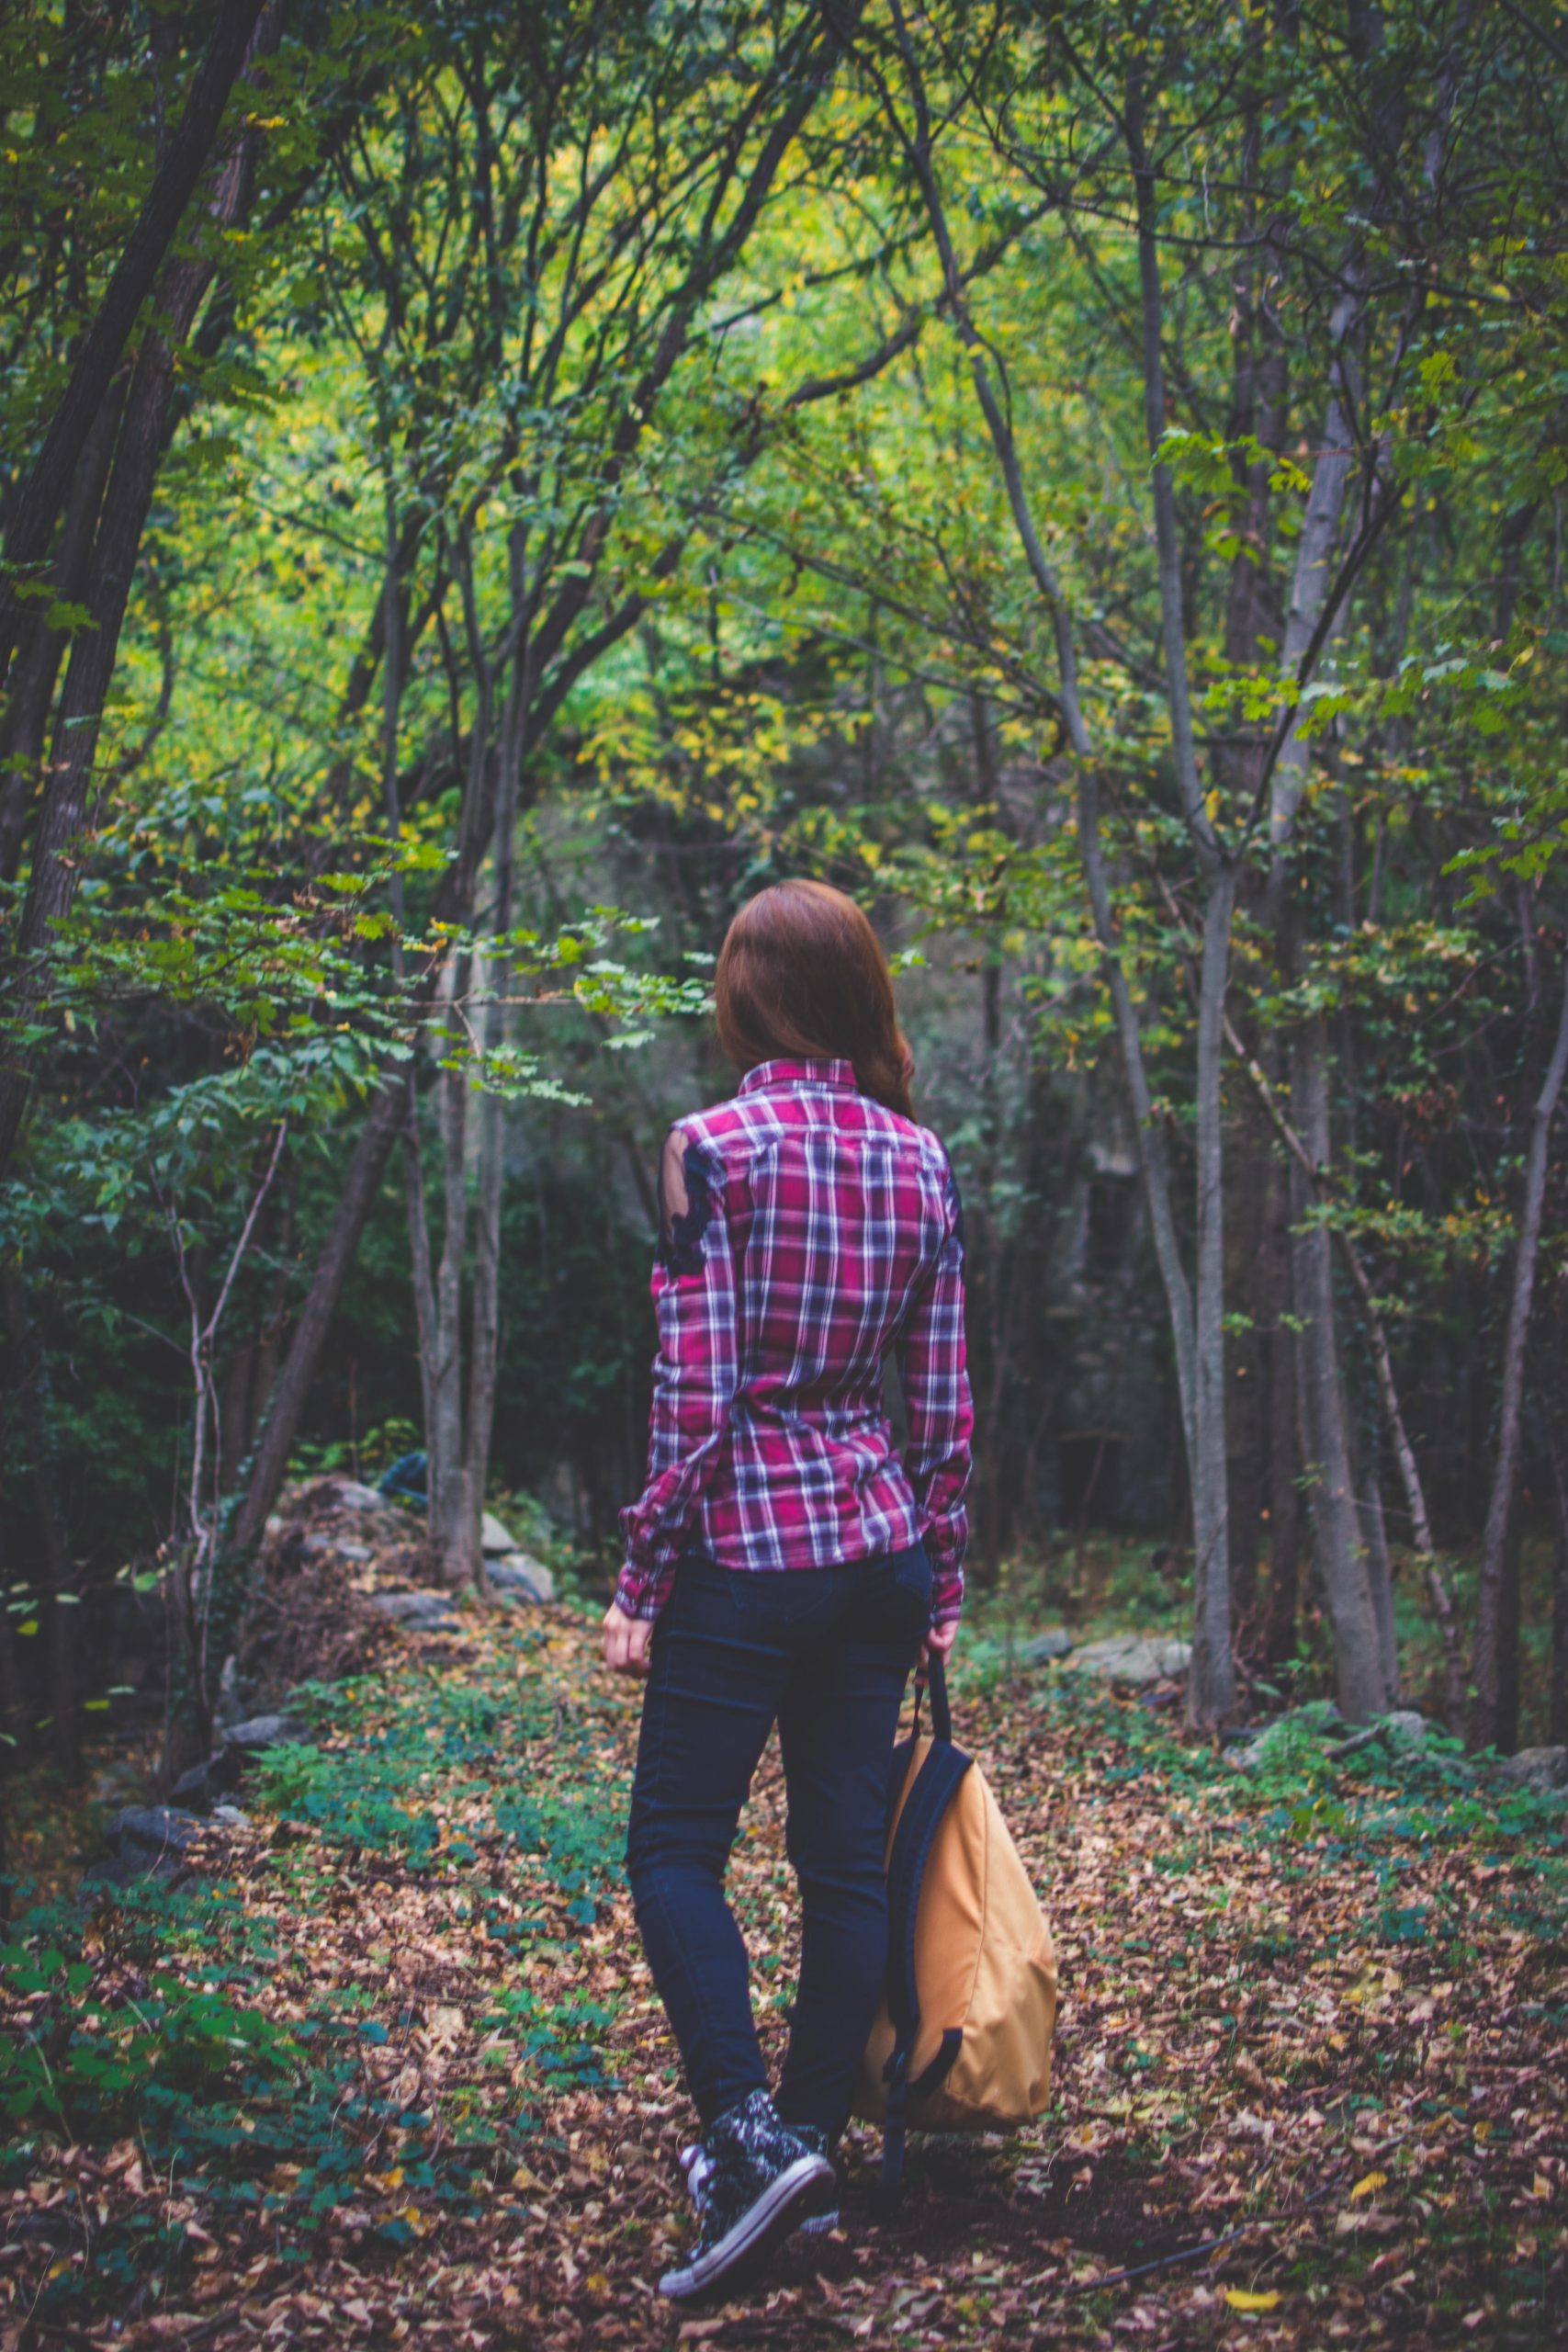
point(485, 488)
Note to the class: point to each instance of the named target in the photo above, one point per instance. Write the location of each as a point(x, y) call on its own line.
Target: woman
point(783, 1565)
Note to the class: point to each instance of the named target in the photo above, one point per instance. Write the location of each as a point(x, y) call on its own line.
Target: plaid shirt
point(821, 1231)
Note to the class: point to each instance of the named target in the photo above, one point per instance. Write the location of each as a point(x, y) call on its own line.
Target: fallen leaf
point(1242, 2299)
point(1368, 2182)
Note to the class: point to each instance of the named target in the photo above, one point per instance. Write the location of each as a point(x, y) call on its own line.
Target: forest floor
point(386, 2067)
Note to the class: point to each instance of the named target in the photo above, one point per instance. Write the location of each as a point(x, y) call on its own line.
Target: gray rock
point(1041, 1648)
point(349, 1494)
point(517, 1573)
point(1137, 1658)
point(220, 1776)
point(429, 1612)
point(264, 1730)
point(340, 1546)
point(1542, 1769)
point(198, 1787)
point(228, 1817)
point(1407, 1728)
point(145, 1842)
point(493, 1537)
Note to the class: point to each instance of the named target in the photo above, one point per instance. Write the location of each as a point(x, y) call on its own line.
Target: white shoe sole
point(758, 2229)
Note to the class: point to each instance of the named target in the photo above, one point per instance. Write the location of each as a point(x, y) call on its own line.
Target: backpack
point(962, 2039)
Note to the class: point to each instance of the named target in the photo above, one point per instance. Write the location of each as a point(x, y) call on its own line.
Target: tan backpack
point(962, 2039)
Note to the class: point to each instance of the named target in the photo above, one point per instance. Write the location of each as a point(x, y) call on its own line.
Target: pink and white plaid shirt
point(821, 1231)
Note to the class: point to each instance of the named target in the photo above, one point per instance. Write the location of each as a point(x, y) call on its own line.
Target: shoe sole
point(754, 2235)
point(817, 2225)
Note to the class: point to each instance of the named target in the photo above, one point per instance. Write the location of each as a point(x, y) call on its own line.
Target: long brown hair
point(802, 976)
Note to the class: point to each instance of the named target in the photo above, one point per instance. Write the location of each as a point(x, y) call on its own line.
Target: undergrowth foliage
point(390, 2061)
point(207, 2037)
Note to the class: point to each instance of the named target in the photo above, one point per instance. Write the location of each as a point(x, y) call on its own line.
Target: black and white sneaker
point(817, 2225)
point(752, 2180)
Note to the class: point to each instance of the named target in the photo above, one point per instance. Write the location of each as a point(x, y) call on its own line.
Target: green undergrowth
point(249, 2040)
point(1379, 1808)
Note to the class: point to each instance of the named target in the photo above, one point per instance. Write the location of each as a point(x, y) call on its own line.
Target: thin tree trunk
point(63, 817)
point(39, 498)
point(1284, 1454)
point(1487, 1670)
point(1377, 1340)
point(36, 667)
point(1506, 1735)
point(1341, 1562)
point(1557, 1699)
point(269, 1465)
point(1201, 1389)
point(32, 1375)
point(1380, 1576)
point(1211, 1683)
point(444, 1437)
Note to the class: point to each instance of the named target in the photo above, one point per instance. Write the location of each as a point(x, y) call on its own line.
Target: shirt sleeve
point(695, 1374)
point(941, 1412)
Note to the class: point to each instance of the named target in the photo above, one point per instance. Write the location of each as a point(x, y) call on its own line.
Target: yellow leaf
point(1368, 2182)
point(1241, 2299)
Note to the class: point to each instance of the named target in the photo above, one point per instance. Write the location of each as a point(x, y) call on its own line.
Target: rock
point(1136, 1659)
point(348, 1494)
point(1543, 1771)
point(430, 1612)
point(1041, 1648)
point(264, 1730)
point(518, 1574)
point(228, 1817)
point(145, 1842)
point(493, 1537)
point(1407, 1728)
point(238, 1743)
point(340, 1546)
point(198, 1787)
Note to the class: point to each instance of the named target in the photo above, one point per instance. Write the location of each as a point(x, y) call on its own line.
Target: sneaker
point(817, 2226)
point(750, 2181)
point(696, 2164)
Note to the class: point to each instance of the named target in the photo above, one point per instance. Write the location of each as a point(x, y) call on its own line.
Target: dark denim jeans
point(826, 1653)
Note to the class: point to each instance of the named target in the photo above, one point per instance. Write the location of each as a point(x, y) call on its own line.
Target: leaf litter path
point(1320, 2023)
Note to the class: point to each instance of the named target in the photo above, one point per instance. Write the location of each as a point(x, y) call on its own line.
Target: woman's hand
point(938, 1643)
point(627, 1641)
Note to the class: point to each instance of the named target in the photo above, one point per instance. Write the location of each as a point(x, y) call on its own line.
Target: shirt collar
point(797, 1073)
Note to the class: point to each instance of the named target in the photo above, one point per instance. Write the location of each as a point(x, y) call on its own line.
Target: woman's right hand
point(627, 1642)
point(938, 1643)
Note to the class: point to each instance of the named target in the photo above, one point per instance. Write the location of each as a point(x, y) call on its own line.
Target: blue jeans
point(826, 1653)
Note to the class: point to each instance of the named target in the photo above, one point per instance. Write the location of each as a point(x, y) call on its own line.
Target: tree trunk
point(444, 1437)
point(1506, 1735)
point(1212, 1682)
point(1249, 1168)
point(1487, 1670)
point(1337, 1546)
point(1557, 1700)
point(269, 1465)
point(485, 1340)
point(38, 501)
point(143, 438)
point(36, 669)
point(1380, 1576)
point(32, 1395)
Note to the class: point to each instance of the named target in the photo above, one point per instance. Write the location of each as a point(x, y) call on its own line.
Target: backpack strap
point(927, 1800)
